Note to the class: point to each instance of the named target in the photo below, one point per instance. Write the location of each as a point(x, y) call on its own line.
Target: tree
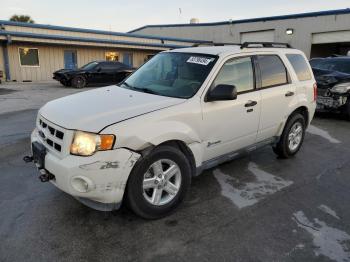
point(22, 18)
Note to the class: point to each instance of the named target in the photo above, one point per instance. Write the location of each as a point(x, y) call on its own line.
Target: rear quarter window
point(300, 66)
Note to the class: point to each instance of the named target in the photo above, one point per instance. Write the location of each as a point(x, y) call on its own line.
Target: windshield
point(332, 65)
point(172, 74)
point(89, 66)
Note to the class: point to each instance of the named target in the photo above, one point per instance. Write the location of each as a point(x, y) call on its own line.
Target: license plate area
point(39, 153)
point(325, 102)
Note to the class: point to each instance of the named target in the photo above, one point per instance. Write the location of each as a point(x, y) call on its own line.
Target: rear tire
point(79, 82)
point(292, 137)
point(149, 193)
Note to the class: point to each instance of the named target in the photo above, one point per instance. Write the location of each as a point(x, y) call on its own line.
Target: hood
point(69, 71)
point(328, 78)
point(93, 110)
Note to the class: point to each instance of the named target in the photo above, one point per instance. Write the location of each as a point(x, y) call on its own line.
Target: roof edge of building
point(93, 31)
point(84, 39)
point(252, 20)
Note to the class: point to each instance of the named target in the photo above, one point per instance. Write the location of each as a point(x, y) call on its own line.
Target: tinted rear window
point(273, 71)
point(300, 66)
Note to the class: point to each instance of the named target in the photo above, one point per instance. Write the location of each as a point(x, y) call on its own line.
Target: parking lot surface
point(257, 208)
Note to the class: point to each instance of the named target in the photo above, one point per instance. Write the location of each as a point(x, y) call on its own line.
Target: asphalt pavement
point(257, 208)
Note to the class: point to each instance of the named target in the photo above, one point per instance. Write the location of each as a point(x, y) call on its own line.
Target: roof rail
point(214, 44)
point(265, 44)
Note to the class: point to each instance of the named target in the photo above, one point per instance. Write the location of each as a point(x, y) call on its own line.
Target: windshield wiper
point(142, 89)
point(127, 85)
point(146, 90)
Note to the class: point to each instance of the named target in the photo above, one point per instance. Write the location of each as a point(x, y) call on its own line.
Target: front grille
point(50, 135)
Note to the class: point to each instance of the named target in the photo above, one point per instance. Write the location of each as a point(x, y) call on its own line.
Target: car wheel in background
point(158, 183)
point(79, 82)
point(348, 108)
point(292, 137)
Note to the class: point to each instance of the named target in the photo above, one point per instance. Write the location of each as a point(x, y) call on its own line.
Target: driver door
point(231, 125)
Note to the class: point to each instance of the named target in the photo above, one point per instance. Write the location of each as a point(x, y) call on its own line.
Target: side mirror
point(98, 69)
point(222, 93)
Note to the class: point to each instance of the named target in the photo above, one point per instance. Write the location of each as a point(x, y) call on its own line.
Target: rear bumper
point(97, 181)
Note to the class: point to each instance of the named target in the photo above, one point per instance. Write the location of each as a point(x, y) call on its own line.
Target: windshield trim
point(216, 58)
point(92, 62)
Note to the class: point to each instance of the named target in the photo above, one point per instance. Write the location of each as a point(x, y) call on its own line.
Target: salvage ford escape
point(182, 112)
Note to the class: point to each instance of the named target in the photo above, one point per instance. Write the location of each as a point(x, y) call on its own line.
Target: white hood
point(93, 110)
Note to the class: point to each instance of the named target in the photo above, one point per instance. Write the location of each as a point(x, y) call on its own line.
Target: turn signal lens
point(107, 142)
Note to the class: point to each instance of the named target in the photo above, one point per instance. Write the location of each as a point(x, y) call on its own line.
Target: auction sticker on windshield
point(200, 60)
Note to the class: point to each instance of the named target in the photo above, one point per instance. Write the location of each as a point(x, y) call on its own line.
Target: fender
point(181, 122)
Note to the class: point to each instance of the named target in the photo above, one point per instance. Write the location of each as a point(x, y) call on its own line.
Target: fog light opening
point(81, 184)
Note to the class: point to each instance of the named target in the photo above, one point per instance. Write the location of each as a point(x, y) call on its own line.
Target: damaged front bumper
point(97, 181)
point(332, 102)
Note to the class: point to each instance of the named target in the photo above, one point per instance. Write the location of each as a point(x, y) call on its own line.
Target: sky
point(123, 16)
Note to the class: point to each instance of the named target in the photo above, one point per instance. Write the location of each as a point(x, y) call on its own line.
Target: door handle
point(289, 93)
point(250, 103)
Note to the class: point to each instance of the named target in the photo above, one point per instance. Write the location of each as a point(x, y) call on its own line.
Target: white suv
point(184, 111)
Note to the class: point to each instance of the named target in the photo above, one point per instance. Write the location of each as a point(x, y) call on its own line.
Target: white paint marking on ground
point(328, 241)
point(297, 247)
point(328, 211)
point(320, 132)
point(248, 194)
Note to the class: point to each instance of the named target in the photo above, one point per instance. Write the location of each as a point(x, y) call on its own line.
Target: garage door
point(331, 37)
point(259, 36)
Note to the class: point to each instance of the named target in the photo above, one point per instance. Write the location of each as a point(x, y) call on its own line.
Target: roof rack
point(214, 44)
point(265, 45)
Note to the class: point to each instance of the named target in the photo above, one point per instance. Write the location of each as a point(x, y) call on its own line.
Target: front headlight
point(341, 88)
point(86, 144)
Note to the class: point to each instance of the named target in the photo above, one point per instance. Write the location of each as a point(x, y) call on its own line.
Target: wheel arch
point(303, 110)
point(181, 145)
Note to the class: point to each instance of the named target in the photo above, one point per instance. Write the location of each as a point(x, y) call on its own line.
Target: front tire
point(79, 82)
point(158, 183)
point(292, 137)
point(348, 108)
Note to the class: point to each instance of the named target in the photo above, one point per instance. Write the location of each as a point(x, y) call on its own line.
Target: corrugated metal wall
point(301, 39)
point(51, 58)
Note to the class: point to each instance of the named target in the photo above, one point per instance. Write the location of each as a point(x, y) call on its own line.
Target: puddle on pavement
point(5, 91)
point(322, 133)
point(328, 241)
point(246, 194)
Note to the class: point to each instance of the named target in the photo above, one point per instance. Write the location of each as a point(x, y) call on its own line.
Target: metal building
point(317, 34)
point(31, 52)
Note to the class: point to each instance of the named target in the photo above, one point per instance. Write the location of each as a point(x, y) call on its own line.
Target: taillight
point(315, 92)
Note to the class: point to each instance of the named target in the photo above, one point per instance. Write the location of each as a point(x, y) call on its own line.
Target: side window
point(112, 66)
point(300, 66)
point(237, 72)
point(273, 72)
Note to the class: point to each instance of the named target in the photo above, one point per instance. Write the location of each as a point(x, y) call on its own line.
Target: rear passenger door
point(277, 94)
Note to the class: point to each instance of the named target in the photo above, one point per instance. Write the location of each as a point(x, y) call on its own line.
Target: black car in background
point(96, 72)
point(333, 83)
